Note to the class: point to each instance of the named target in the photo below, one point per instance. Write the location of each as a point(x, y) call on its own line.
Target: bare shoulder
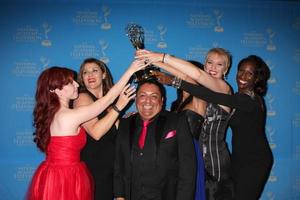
point(64, 123)
point(228, 88)
point(83, 99)
point(220, 85)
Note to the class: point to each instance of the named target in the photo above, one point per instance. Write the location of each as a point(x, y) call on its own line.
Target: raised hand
point(149, 56)
point(138, 64)
point(127, 94)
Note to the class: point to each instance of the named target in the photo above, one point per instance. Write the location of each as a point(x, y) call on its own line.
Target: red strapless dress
point(62, 176)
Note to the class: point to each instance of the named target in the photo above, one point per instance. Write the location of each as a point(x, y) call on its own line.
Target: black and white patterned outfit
point(216, 154)
point(252, 158)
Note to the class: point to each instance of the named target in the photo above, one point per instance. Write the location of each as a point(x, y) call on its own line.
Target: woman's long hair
point(47, 102)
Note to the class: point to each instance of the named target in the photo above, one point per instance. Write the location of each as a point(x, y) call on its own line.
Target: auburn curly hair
point(47, 102)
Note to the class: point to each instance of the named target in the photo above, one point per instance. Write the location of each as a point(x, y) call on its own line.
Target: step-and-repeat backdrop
point(39, 34)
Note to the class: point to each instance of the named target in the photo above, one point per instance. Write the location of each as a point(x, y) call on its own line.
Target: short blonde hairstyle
point(222, 52)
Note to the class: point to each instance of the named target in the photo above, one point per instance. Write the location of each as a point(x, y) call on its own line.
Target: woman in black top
point(194, 110)
point(95, 80)
point(252, 158)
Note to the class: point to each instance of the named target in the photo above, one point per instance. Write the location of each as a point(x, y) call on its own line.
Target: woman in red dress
point(62, 176)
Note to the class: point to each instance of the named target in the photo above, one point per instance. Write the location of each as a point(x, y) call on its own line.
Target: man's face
point(148, 101)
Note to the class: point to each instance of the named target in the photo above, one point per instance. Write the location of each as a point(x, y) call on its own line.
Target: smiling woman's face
point(92, 76)
point(246, 77)
point(215, 65)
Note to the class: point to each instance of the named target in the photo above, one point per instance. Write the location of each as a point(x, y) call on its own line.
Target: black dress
point(216, 154)
point(195, 122)
point(252, 158)
point(99, 157)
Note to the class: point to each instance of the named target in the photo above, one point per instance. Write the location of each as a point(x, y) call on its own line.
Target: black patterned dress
point(216, 154)
point(252, 158)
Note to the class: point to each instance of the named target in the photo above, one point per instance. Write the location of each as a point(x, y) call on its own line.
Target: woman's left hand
point(148, 56)
point(127, 94)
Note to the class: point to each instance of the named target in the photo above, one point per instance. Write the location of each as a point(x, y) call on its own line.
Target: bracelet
point(163, 58)
point(176, 82)
point(116, 108)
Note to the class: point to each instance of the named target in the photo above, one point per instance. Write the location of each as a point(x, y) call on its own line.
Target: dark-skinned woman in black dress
point(252, 158)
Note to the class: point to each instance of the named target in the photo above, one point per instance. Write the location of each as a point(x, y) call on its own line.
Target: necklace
point(250, 93)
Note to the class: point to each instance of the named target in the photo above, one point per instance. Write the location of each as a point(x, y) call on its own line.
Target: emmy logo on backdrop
point(47, 28)
point(162, 31)
point(215, 44)
point(296, 123)
point(103, 46)
point(106, 12)
point(45, 62)
point(272, 79)
point(136, 35)
point(296, 88)
point(270, 132)
point(270, 46)
point(218, 15)
point(273, 177)
point(270, 100)
point(271, 196)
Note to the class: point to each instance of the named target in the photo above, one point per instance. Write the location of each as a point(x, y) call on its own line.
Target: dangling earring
point(224, 76)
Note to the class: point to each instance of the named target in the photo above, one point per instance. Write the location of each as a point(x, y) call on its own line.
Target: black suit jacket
point(165, 169)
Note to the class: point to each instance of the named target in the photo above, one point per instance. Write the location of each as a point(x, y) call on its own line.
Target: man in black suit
point(164, 168)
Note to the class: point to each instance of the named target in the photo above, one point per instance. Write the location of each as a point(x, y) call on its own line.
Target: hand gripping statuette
point(136, 35)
